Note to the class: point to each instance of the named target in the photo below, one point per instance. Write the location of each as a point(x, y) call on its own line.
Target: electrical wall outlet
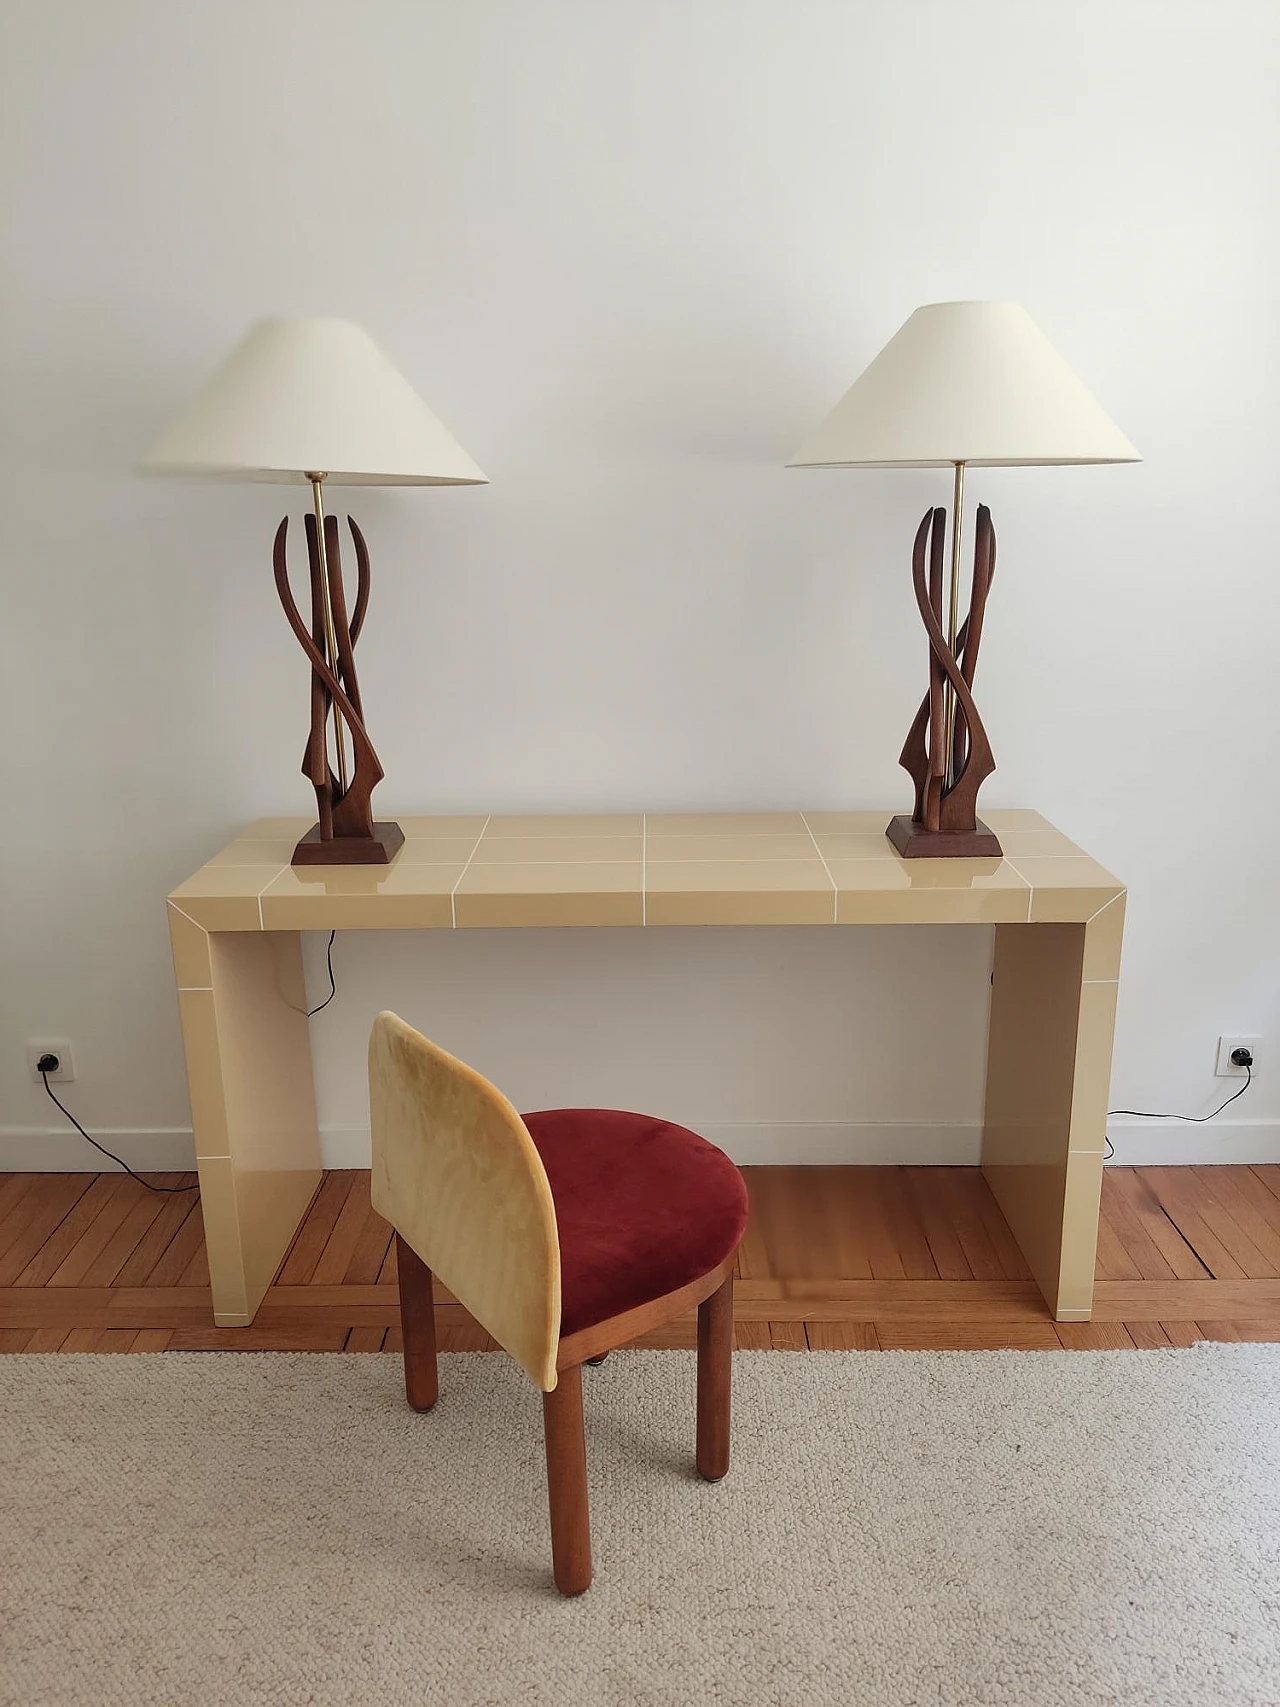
point(1226, 1067)
point(59, 1046)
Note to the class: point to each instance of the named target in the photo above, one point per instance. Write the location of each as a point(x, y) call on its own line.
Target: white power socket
point(1226, 1067)
point(59, 1046)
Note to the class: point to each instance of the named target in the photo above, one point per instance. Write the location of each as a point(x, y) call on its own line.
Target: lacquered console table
point(1058, 919)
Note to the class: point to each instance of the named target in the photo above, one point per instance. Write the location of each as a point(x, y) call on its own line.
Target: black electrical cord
point(44, 1074)
point(310, 1013)
point(333, 988)
point(1191, 1119)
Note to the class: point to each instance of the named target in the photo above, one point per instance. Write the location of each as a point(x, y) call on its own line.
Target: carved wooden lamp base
point(378, 849)
point(947, 753)
point(345, 833)
point(913, 841)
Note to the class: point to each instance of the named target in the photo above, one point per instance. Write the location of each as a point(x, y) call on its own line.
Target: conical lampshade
point(297, 397)
point(974, 382)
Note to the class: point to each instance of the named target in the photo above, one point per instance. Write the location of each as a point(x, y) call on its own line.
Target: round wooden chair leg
point(567, 1483)
point(418, 1325)
point(715, 1366)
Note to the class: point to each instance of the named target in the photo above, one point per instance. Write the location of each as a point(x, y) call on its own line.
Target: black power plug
point(1242, 1057)
point(48, 1063)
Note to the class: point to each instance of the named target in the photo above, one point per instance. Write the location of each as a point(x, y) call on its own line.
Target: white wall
point(631, 251)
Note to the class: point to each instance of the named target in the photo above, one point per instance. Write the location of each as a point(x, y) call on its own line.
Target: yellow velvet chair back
point(456, 1174)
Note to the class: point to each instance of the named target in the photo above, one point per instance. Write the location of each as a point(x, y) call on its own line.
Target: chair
point(564, 1233)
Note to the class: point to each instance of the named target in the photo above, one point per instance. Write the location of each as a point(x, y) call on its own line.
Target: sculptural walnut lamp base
point(961, 384)
point(316, 400)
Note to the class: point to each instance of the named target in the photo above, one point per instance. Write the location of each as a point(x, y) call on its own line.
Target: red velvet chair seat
point(642, 1208)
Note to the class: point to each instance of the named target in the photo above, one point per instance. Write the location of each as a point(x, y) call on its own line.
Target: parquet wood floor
point(834, 1258)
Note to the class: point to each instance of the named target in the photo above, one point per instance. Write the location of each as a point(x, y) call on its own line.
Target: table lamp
point(961, 384)
point(317, 401)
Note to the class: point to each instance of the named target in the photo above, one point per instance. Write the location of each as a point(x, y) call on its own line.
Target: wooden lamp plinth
point(947, 753)
point(913, 841)
point(378, 849)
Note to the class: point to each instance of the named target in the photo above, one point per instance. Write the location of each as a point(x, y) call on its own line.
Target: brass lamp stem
point(330, 635)
point(953, 623)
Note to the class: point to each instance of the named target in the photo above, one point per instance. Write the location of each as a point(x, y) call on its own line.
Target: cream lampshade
point(302, 395)
point(970, 382)
point(316, 400)
point(961, 383)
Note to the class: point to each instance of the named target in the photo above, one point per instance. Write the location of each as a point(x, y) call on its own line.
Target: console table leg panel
point(248, 1053)
point(1048, 1074)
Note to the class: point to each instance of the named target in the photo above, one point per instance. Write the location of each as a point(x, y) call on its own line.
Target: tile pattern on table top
point(863, 845)
point(846, 823)
point(1029, 844)
point(437, 850)
point(494, 848)
point(225, 897)
point(723, 823)
point(739, 891)
point(1058, 884)
point(928, 891)
point(792, 844)
point(1005, 820)
point(416, 827)
point(551, 893)
point(398, 896)
point(666, 868)
point(245, 851)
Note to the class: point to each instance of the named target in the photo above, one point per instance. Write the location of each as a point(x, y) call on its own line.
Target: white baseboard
point(61, 1150)
point(1174, 1143)
point(1152, 1143)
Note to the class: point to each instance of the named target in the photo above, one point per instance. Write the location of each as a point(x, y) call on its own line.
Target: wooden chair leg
point(567, 1483)
point(418, 1325)
point(715, 1365)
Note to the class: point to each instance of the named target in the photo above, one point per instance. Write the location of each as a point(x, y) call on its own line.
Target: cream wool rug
point(951, 1528)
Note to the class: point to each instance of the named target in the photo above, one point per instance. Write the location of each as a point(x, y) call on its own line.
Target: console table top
point(664, 868)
